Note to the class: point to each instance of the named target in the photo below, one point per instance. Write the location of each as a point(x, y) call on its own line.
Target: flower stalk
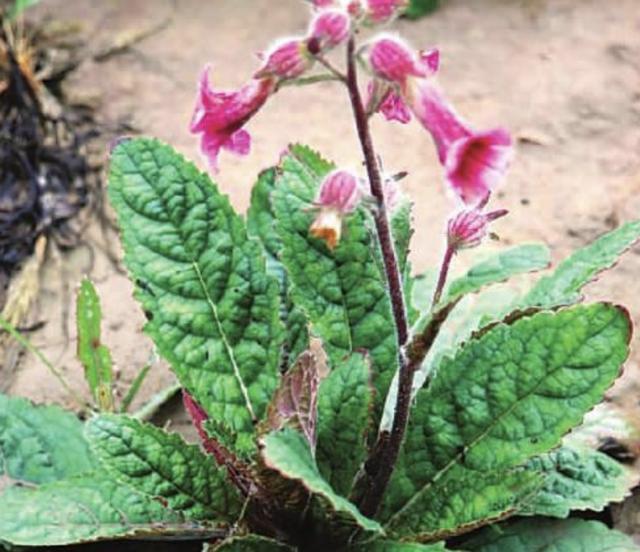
point(390, 449)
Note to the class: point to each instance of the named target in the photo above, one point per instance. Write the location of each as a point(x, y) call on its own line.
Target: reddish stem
point(444, 271)
point(390, 449)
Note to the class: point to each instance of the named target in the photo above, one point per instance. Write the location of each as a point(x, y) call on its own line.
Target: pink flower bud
point(287, 59)
point(383, 11)
point(393, 60)
point(321, 4)
point(328, 29)
point(469, 227)
point(339, 195)
point(355, 8)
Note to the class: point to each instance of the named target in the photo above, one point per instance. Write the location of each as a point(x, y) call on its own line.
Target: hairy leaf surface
point(342, 291)
point(39, 444)
point(161, 465)
point(563, 286)
point(213, 311)
point(344, 416)
point(576, 480)
point(506, 396)
point(288, 453)
point(543, 535)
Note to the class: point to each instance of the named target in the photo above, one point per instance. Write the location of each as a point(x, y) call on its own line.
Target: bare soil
point(563, 75)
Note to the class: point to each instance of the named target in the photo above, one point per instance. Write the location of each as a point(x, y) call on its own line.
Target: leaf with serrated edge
point(550, 535)
point(213, 310)
point(344, 416)
point(342, 291)
point(39, 444)
point(94, 356)
point(163, 466)
point(563, 286)
point(576, 480)
point(505, 397)
point(87, 508)
point(287, 452)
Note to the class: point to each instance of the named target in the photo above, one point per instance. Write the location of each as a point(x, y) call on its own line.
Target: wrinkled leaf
point(288, 453)
point(546, 535)
point(213, 311)
point(342, 291)
point(251, 543)
point(86, 508)
point(391, 546)
point(576, 480)
point(93, 355)
point(563, 286)
point(161, 465)
point(506, 396)
point(39, 444)
point(344, 417)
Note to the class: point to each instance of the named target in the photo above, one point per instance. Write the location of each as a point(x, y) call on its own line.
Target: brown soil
point(564, 75)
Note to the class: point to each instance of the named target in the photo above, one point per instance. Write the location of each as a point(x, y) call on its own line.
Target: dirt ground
point(563, 75)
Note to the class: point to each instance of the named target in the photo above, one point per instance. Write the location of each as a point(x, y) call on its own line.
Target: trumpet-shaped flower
point(219, 116)
point(474, 162)
point(339, 195)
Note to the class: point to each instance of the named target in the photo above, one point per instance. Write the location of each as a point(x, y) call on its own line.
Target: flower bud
point(393, 60)
point(328, 29)
point(383, 11)
point(288, 59)
point(468, 228)
point(339, 195)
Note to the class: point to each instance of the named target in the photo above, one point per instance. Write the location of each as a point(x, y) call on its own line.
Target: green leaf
point(564, 285)
point(342, 291)
point(134, 388)
point(344, 417)
point(39, 444)
point(505, 397)
point(251, 543)
point(213, 310)
point(500, 267)
point(288, 453)
point(87, 508)
point(576, 480)
point(161, 465)
point(93, 355)
point(420, 8)
point(261, 224)
point(542, 535)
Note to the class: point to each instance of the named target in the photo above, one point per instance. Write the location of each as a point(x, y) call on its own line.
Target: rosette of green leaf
point(261, 224)
point(577, 480)
point(345, 408)
point(545, 535)
point(162, 466)
point(88, 508)
point(287, 453)
point(563, 286)
point(213, 310)
point(40, 444)
point(506, 396)
point(342, 292)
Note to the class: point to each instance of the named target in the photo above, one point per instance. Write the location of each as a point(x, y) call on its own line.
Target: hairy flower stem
point(388, 455)
point(442, 277)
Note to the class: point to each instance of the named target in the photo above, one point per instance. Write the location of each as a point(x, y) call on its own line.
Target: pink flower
point(469, 227)
point(339, 195)
point(220, 115)
point(321, 4)
point(474, 162)
point(388, 102)
point(287, 59)
point(383, 11)
point(328, 29)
